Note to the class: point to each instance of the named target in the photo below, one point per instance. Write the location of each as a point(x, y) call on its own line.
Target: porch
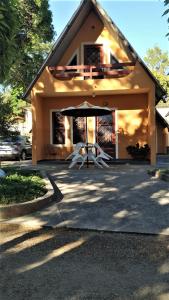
point(54, 136)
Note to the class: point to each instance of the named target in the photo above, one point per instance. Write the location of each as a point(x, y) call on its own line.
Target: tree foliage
point(158, 63)
point(5, 116)
point(166, 12)
point(34, 36)
point(157, 60)
point(26, 33)
point(8, 32)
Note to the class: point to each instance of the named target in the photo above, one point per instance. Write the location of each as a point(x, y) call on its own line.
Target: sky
point(140, 21)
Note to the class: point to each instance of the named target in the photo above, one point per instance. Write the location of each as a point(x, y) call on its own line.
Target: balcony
point(101, 71)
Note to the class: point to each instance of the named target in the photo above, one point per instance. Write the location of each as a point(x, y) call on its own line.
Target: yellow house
point(92, 61)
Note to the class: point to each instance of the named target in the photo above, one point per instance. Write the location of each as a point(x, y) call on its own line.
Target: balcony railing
point(101, 71)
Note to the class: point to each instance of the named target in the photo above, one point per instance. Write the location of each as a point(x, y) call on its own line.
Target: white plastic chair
point(78, 158)
point(102, 162)
point(102, 154)
point(76, 150)
point(90, 156)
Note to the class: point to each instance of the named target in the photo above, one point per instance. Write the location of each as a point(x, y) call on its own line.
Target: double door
point(102, 131)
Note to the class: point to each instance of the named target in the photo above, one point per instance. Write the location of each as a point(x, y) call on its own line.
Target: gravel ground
point(70, 264)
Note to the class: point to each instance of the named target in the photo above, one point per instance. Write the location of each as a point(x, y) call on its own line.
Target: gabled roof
point(162, 119)
point(69, 33)
point(164, 112)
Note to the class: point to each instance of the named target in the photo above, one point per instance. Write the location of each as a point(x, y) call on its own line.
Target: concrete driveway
point(123, 198)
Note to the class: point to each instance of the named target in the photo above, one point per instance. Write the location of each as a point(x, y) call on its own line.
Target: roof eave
point(55, 46)
point(160, 92)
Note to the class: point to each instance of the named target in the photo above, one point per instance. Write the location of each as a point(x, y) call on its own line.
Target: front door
point(105, 133)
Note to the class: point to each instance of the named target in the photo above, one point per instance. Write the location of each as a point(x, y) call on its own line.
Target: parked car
point(15, 147)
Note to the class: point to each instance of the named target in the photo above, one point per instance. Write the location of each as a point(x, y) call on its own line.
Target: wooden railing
point(92, 71)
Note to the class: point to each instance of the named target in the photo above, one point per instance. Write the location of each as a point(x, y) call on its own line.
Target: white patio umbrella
point(85, 109)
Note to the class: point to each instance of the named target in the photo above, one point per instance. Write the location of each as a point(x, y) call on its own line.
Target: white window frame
point(51, 130)
point(91, 43)
point(116, 132)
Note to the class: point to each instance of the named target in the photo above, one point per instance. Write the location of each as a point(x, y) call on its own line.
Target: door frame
point(116, 132)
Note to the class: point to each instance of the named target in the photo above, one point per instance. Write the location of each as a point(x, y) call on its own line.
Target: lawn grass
point(20, 186)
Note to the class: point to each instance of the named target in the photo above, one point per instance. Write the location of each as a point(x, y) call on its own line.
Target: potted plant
point(138, 152)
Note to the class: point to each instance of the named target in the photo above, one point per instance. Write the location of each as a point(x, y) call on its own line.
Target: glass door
point(105, 133)
point(79, 130)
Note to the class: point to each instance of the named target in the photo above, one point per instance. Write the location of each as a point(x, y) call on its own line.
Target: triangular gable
point(70, 31)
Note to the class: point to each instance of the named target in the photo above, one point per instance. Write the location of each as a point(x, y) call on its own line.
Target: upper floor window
point(93, 54)
point(58, 128)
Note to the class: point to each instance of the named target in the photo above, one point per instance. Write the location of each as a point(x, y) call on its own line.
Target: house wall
point(132, 120)
point(93, 31)
point(133, 95)
point(162, 138)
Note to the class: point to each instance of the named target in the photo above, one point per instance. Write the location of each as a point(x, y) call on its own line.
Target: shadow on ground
point(70, 264)
point(122, 198)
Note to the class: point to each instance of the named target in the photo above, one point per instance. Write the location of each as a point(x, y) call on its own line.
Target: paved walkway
point(123, 198)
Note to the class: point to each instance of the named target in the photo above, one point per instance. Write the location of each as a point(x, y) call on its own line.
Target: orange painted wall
point(93, 31)
point(162, 136)
point(133, 95)
point(132, 121)
point(138, 79)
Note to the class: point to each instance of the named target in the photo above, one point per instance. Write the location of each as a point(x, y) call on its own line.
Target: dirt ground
point(50, 264)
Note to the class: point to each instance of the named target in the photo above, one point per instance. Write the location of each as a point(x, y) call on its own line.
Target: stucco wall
point(132, 95)
point(132, 121)
point(162, 138)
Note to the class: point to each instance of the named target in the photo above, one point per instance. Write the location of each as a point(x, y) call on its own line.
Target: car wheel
point(23, 155)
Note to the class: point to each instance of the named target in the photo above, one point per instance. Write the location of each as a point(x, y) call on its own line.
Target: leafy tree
point(5, 116)
point(36, 33)
point(31, 37)
point(157, 60)
point(8, 30)
point(166, 12)
point(17, 105)
point(158, 63)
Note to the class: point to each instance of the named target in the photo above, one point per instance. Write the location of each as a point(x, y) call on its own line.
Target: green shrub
point(138, 152)
point(21, 186)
